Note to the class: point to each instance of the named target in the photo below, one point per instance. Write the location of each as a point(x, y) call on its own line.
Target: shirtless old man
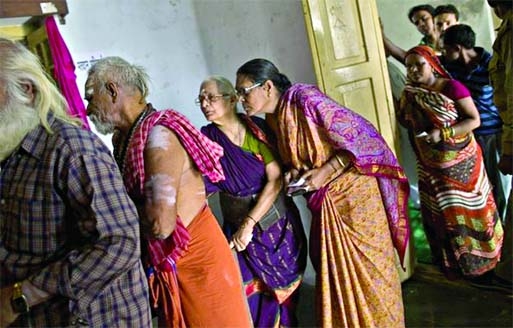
point(194, 280)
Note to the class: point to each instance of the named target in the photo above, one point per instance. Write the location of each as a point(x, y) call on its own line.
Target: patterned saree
point(274, 261)
point(357, 218)
point(459, 213)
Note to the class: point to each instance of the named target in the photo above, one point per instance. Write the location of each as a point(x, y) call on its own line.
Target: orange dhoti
point(209, 284)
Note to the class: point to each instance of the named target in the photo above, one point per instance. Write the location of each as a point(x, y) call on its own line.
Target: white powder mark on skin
point(89, 91)
point(158, 138)
point(159, 188)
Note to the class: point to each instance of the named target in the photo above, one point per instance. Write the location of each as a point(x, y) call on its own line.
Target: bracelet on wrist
point(252, 219)
point(447, 133)
point(340, 161)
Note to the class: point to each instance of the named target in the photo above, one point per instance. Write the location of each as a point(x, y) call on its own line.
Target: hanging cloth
point(64, 71)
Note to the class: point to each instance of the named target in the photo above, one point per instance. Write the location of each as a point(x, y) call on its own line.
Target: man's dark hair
point(430, 9)
point(460, 34)
point(505, 3)
point(447, 9)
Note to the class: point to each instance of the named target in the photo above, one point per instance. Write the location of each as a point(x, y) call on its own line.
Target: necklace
point(120, 155)
point(237, 137)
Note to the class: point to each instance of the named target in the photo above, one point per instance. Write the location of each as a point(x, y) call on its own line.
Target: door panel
point(37, 42)
point(351, 67)
point(349, 60)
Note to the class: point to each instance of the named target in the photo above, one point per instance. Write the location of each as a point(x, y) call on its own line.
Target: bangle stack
point(447, 133)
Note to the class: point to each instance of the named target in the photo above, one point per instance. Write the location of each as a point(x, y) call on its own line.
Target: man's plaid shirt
point(68, 226)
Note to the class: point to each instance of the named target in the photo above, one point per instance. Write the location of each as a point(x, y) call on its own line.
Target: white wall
point(182, 42)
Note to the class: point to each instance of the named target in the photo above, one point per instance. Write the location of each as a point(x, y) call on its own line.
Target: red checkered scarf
point(204, 152)
point(206, 155)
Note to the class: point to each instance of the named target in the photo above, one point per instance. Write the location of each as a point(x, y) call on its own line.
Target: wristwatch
point(18, 300)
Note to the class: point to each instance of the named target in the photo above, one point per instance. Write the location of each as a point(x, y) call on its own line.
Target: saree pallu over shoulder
point(273, 263)
point(308, 119)
point(440, 112)
point(439, 109)
point(459, 213)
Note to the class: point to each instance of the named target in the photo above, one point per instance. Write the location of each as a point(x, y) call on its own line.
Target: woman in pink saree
point(355, 189)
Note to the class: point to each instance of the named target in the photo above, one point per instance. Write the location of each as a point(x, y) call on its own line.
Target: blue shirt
point(477, 82)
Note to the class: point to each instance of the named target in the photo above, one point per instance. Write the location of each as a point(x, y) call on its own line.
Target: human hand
point(506, 164)
point(316, 178)
point(243, 236)
point(433, 137)
point(7, 315)
point(291, 176)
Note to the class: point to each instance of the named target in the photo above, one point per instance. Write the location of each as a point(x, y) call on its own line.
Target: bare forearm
point(466, 126)
point(265, 199)
point(394, 50)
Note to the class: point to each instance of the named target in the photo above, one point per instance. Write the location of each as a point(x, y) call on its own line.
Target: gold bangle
point(342, 165)
point(445, 133)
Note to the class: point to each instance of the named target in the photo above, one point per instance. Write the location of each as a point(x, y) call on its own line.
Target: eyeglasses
point(244, 92)
point(210, 99)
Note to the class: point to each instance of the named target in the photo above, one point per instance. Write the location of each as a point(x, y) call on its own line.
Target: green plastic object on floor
point(420, 243)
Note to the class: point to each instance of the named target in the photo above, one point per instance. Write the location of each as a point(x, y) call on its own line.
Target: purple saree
point(274, 261)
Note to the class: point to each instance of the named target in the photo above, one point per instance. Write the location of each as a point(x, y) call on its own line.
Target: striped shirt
point(477, 81)
point(68, 226)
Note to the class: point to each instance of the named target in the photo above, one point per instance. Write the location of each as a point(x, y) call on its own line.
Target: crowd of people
point(455, 109)
point(98, 239)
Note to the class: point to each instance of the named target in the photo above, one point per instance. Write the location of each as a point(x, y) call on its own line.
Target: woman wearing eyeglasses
point(357, 194)
point(260, 222)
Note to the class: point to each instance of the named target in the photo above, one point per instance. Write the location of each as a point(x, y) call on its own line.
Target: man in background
point(422, 17)
point(469, 65)
point(501, 75)
point(69, 233)
point(445, 16)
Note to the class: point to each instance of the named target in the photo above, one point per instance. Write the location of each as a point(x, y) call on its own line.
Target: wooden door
point(33, 35)
point(37, 42)
point(349, 59)
point(351, 67)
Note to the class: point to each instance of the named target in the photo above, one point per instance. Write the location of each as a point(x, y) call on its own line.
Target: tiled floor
point(430, 300)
